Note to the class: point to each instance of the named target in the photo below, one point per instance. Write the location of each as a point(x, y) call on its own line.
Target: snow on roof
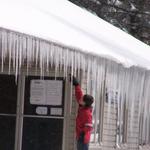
point(62, 22)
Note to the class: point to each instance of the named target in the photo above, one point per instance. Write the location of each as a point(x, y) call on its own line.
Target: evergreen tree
point(132, 16)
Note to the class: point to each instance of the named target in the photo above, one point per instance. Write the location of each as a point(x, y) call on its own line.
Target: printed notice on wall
point(41, 110)
point(46, 92)
point(56, 111)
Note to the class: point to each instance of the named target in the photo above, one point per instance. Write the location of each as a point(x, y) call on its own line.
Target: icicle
point(44, 56)
point(66, 62)
point(98, 97)
point(41, 60)
point(96, 94)
point(17, 55)
point(72, 63)
point(9, 52)
point(108, 90)
point(94, 78)
point(14, 51)
point(75, 63)
point(42, 52)
point(52, 55)
point(47, 57)
point(56, 61)
point(83, 64)
point(89, 75)
point(141, 92)
point(20, 52)
point(37, 47)
point(5, 51)
point(24, 51)
point(71, 96)
point(30, 51)
point(60, 60)
point(135, 95)
point(145, 106)
point(33, 50)
point(2, 51)
point(78, 63)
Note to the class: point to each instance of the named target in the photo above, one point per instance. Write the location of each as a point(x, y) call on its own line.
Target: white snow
point(63, 22)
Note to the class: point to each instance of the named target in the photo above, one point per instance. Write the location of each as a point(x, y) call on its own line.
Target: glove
point(74, 80)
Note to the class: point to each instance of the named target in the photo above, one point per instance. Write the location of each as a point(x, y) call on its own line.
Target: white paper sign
point(41, 110)
point(46, 92)
point(37, 92)
point(56, 111)
point(53, 92)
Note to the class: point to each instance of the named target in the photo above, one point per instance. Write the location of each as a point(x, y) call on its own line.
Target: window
point(113, 98)
point(23, 127)
point(43, 131)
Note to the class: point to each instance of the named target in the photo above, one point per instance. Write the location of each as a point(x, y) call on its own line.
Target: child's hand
point(74, 80)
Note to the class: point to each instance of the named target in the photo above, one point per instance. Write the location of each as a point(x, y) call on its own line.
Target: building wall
point(133, 137)
point(109, 123)
point(109, 130)
point(109, 127)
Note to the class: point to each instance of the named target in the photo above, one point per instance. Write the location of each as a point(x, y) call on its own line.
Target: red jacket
point(84, 117)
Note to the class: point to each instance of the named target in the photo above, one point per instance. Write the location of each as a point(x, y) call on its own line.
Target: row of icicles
point(131, 85)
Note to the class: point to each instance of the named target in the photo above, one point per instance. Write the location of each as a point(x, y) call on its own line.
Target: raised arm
point(78, 94)
point(78, 91)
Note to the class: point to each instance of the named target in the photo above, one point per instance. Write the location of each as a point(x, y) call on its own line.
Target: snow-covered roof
point(57, 34)
point(62, 22)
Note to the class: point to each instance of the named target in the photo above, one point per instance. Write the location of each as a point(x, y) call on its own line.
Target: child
point(84, 117)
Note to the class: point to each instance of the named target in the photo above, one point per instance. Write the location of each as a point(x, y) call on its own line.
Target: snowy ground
point(145, 147)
